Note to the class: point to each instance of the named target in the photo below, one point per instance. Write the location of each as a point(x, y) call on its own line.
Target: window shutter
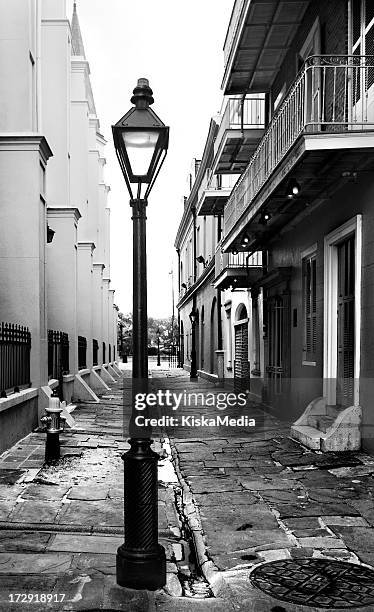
point(310, 308)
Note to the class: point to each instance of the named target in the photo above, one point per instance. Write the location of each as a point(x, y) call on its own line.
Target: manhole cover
point(323, 583)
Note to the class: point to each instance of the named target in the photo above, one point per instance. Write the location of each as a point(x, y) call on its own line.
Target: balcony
point(242, 126)
point(215, 190)
point(323, 127)
point(258, 38)
point(236, 271)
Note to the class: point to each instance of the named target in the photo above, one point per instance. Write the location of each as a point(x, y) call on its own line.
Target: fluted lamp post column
point(141, 142)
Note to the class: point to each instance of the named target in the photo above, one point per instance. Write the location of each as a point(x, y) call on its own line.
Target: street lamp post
point(193, 319)
point(141, 142)
point(158, 347)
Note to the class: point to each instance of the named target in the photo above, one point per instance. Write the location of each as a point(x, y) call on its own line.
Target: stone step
point(309, 436)
point(330, 433)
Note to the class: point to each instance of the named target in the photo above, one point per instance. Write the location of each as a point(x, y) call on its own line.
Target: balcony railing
point(224, 261)
point(331, 94)
point(82, 352)
point(15, 346)
point(247, 113)
point(233, 26)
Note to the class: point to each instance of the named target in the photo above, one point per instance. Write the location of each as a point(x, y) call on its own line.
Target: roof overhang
point(259, 42)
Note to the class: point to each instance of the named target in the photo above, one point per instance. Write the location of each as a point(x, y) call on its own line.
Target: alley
point(229, 500)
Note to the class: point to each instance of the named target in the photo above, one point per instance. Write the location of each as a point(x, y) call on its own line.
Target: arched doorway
point(213, 336)
point(241, 363)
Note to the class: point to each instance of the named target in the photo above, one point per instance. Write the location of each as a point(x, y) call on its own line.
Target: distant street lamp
point(141, 142)
point(193, 318)
point(158, 347)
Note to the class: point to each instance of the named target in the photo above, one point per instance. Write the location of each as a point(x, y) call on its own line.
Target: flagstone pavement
point(243, 496)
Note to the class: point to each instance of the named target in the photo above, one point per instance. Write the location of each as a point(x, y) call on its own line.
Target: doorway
point(241, 360)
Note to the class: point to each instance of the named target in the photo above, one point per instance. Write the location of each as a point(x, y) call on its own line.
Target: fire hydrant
point(54, 423)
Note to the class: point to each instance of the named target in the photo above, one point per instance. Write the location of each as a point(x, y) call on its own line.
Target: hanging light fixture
point(264, 218)
point(293, 189)
point(245, 240)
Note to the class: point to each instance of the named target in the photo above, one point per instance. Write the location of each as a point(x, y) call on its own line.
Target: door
point(275, 368)
point(241, 363)
point(346, 322)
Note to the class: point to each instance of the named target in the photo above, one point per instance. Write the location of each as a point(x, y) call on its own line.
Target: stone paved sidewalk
point(244, 497)
point(255, 495)
point(60, 526)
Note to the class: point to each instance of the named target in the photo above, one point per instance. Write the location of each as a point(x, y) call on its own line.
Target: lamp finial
point(142, 94)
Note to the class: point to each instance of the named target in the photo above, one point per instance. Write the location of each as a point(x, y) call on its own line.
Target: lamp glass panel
point(140, 146)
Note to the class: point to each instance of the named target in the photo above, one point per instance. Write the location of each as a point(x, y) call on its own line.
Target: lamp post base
point(139, 570)
point(52, 447)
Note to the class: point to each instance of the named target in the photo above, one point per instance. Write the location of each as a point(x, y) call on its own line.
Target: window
point(310, 309)
point(362, 33)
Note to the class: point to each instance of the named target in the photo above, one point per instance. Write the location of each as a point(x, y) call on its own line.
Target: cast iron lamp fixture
point(193, 318)
point(184, 286)
point(141, 142)
point(201, 259)
point(293, 189)
point(234, 251)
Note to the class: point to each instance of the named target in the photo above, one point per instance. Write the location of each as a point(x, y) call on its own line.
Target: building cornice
point(26, 142)
point(64, 212)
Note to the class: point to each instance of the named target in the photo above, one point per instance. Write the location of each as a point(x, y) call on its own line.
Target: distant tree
point(124, 326)
point(161, 327)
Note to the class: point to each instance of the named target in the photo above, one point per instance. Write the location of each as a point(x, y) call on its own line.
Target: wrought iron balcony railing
point(224, 261)
point(331, 94)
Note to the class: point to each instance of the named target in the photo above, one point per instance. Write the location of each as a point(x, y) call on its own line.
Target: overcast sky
point(178, 47)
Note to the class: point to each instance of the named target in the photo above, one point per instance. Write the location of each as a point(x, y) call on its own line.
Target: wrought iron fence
point(82, 352)
point(95, 352)
point(173, 355)
point(331, 94)
point(15, 346)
